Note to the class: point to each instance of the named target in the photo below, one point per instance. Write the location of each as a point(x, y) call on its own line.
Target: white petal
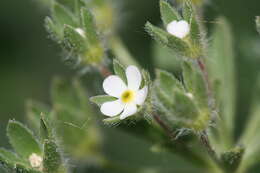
point(114, 86)
point(179, 29)
point(134, 77)
point(81, 32)
point(129, 110)
point(112, 108)
point(141, 95)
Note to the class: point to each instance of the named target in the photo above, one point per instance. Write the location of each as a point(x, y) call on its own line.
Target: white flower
point(129, 95)
point(190, 95)
point(36, 161)
point(179, 29)
point(81, 32)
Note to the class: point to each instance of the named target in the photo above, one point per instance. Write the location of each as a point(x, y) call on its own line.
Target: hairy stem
point(164, 126)
point(203, 137)
point(204, 72)
point(205, 142)
point(104, 71)
point(179, 145)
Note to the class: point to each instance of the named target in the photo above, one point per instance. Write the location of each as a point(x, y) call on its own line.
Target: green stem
point(104, 71)
point(121, 52)
point(179, 145)
point(205, 142)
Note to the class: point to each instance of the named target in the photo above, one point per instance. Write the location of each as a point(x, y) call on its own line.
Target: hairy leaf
point(22, 139)
point(168, 13)
point(74, 40)
point(62, 15)
point(176, 44)
point(52, 159)
point(119, 70)
point(33, 111)
point(88, 24)
point(221, 68)
point(99, 100)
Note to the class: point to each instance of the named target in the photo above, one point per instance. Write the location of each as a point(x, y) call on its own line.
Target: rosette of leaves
point(24, 144)
point(191, 46)
point(73, 26)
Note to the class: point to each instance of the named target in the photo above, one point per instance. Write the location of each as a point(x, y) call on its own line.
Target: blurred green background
point(29, 59)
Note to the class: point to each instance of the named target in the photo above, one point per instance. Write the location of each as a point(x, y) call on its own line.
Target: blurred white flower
point(36, 161)
point(129, 95)
point(179, 29)
point(81, 32)
point(190, 95)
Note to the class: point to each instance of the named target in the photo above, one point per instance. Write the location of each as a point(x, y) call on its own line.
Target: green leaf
point(185, 107)
point(99, 100)
point(33, 111)
point(78, 4)
point(232, 158)
point(187, 11)
point(62, 15)
point(56, 31)
point(157, 33)
point(113, 121)
point(119, 70)
point(176, 44)
point(76, 122)
point(88, 24)
point(165, 58)
point(9, 159)
point(194, 84)
point(71, 97)
point(20, 168)
point(168, 13)
point(173, 103)
point(221, 67)
point(258, 24)
point(68, 4)
point(22, 139)
point(159, 161)
point(189, 14)
point(168, 81)
point(45, 131)
point(52, 161)
point(250, 137)
point(146, 82)
point(74, 40)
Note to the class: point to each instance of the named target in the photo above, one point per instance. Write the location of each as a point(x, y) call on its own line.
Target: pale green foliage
point(74, 117)
point(25, 144)
point(99, 100)
point(119, 70)
point(63, 25)
point(173, 101)
point(189, 47)
point(221, 71)
point(52, 158)
point(168, 13)
point(74, 40)
point(22, 140)
point(186, 123)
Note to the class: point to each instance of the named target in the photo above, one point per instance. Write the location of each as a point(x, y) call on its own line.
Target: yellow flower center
point(128, 96)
